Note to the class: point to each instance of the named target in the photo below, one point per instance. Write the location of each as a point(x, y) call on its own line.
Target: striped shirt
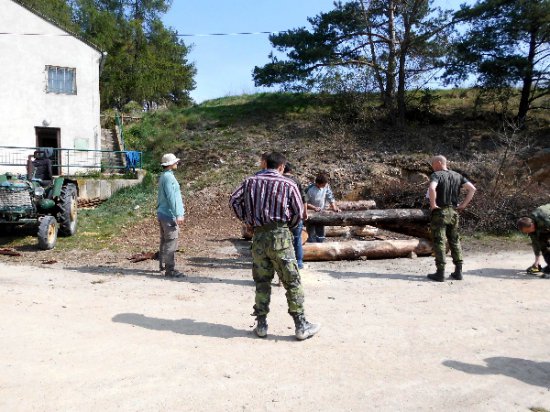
point(266, 198)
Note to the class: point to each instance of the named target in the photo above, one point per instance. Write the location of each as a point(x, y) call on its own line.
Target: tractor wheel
point(47, 233)
point(68, 210)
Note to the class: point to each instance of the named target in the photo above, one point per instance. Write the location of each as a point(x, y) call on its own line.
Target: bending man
point(537, 226)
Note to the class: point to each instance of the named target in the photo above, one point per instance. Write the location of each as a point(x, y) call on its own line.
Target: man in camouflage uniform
point(272, 204)
point(443, 192)
point(537, 226)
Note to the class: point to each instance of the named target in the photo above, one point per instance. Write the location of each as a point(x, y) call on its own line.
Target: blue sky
point(225, 63)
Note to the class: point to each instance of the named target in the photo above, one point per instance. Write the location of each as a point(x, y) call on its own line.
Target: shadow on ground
point(530, 372)
point(189, 327)
point(498, 273)
point(484, 272)
point(372, 275)
point(155, 274)
point(226, 263)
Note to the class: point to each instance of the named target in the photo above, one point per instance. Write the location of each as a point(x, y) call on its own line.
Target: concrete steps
point(111, 162)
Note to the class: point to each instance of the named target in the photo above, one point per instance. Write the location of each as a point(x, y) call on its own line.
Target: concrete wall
point(104, 188)
point(24, 102)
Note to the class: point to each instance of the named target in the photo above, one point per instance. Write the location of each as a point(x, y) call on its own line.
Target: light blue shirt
point(170, 204)
point(318, 197)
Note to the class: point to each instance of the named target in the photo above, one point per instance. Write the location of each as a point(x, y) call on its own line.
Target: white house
point(50, 87)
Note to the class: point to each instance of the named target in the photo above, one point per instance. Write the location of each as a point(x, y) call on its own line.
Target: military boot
point(457, 274)
point(546, 270)
point(261, 326)
point(304, 329)
point(438, 276)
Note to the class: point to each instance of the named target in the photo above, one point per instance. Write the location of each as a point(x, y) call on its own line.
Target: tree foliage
point(506, 44)
point(146, 62)
point(391, 44)
point(59, 11)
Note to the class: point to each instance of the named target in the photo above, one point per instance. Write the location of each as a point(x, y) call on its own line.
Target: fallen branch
point(9, 252)
point(139, 257)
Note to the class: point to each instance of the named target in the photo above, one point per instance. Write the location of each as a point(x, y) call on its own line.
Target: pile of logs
point(90, 203)
point(411, 222)
point(360, 219)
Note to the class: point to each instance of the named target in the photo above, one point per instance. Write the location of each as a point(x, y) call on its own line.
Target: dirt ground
point(106, 334)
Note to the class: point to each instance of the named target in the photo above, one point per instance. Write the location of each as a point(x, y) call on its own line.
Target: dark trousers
point(315, 233)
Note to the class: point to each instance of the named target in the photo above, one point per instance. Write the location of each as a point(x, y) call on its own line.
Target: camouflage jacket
point(541, 217)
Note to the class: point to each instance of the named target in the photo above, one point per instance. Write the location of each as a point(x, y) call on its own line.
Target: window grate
point(61, 80)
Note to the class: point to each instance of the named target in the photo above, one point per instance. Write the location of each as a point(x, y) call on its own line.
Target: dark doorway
point(50, 137)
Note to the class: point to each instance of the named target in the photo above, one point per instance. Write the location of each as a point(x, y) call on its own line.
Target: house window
point(61, 80)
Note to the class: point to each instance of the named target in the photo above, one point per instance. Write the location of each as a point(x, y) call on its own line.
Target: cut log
point(356, 205)
point(374, 217)
point(247, 231)
point(364, 230)
point(337, 231)
point(375, 249)
point(421, 230)
point(347, 231)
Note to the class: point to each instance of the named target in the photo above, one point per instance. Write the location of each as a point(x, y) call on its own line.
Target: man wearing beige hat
point(170, 214)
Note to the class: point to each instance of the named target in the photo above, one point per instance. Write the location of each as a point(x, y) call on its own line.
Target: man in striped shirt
point(272, 204)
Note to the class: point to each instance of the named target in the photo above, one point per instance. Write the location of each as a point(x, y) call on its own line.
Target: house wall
point(24, 103)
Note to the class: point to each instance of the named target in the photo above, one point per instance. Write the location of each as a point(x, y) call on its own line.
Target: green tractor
point(51, 207)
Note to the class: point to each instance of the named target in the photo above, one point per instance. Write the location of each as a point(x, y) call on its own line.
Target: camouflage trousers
point(272, 251)
point(444, 226)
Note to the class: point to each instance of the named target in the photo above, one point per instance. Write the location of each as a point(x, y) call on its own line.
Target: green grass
point(97, 228)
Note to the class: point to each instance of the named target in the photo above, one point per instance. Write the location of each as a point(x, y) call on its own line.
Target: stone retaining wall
point(104, 188)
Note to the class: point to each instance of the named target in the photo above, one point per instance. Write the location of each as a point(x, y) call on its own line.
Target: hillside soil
point(93, 331)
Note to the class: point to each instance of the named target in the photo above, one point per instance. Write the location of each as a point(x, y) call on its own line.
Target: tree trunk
point(403, 53)
point(376, 249)
point(356, 205)
point(389, 98)
point(373, 52)
point(527, 79)
point(375, 217)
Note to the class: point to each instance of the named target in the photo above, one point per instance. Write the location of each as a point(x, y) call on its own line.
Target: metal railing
point(74, 161)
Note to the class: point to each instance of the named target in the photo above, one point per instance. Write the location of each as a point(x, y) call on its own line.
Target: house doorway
point(50, 137)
